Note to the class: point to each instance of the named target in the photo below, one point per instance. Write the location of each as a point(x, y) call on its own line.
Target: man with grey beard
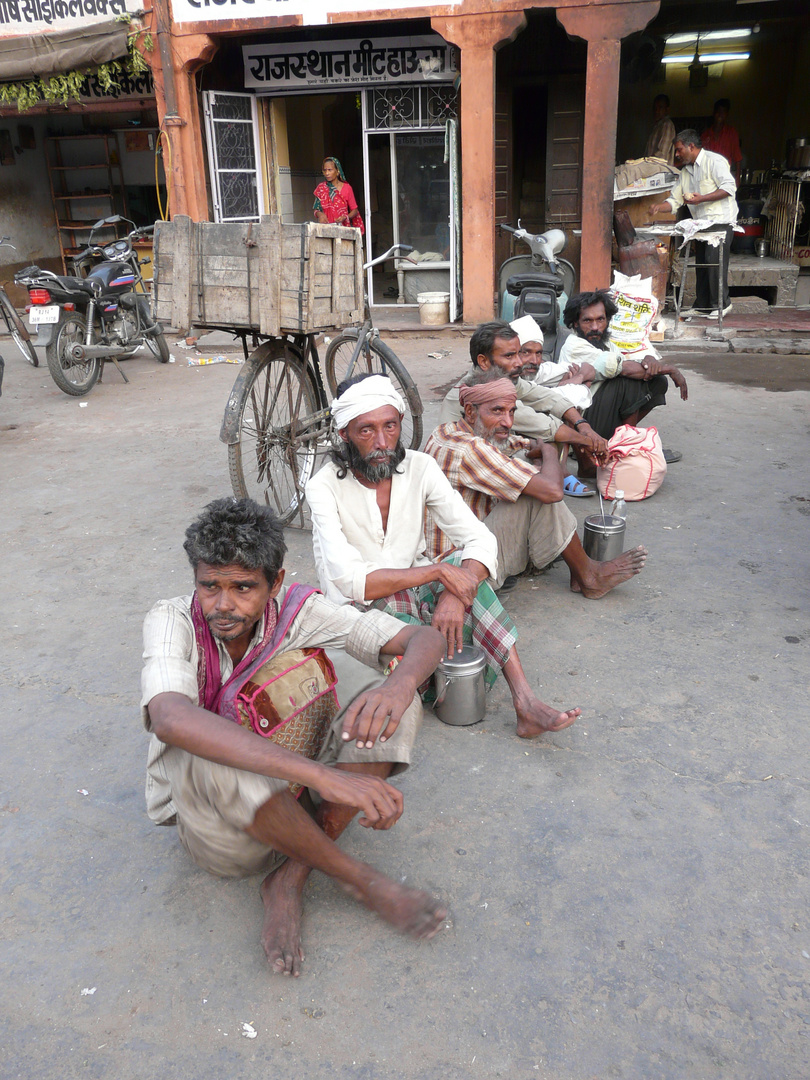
point(368, 509)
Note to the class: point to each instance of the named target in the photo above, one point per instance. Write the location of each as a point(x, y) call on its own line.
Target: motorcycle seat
point(518, 282)
point(73, 284)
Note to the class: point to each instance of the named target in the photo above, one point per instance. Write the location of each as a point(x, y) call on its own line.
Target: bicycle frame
point(368, 330)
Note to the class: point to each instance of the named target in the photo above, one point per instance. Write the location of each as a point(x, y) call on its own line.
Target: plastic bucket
point(603, 537)
point(434, 308)
point(460, 688)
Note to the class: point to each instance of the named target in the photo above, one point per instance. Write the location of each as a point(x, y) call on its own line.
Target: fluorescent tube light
point(712, 35)
point(706, 58)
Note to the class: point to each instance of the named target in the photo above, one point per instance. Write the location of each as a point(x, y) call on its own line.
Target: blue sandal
point(576, 489)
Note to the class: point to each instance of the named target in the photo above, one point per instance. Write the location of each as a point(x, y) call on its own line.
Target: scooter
point(85, 321)
point(538, 285)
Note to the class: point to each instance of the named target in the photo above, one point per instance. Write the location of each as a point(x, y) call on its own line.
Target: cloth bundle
point(635, 464)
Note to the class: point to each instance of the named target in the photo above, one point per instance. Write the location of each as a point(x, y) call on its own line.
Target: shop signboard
point(309, 12)
point(44, 16)
point(319, 65)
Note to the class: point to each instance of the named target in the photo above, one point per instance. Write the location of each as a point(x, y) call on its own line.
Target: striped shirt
point(484, 474)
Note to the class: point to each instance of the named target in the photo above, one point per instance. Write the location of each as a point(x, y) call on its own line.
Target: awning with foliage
point(43, 55)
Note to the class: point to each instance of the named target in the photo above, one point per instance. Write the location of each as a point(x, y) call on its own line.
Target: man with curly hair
point(233, 759)
point(623, 391)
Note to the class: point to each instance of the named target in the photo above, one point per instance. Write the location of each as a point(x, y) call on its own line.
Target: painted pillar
point(174, 64)
point(603, 28)
point(478, 36)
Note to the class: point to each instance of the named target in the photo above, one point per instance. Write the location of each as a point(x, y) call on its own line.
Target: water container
point(603, 537)
point(460, 687)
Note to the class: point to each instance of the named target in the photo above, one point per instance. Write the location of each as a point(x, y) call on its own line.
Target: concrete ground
point(629, 896)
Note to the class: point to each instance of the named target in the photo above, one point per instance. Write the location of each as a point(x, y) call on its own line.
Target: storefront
point(64, 166)
point(385, 107)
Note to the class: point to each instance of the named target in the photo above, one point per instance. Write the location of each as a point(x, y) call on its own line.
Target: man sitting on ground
point(518, 500)
point(542, 412)
point(368, 506)
point(219, 766)
point(624, 391)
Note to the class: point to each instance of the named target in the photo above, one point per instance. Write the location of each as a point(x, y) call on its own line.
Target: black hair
point(237, 531)
point(722, 103)
point(689, 137)
point(577, 304)
point(483, 340)
point(661, 97)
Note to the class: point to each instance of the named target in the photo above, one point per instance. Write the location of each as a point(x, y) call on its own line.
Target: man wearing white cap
point(564, 378)
point(368, 510)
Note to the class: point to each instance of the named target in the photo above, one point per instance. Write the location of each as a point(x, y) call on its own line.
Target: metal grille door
point(233, 155)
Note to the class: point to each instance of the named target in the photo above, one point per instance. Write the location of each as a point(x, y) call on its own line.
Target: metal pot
point(762, 248)
point(460, 688)
point(603, 537)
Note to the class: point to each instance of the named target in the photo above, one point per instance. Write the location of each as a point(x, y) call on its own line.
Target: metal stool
point(686, 252)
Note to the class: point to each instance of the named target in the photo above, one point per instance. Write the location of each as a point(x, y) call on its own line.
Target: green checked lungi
point(485, 624)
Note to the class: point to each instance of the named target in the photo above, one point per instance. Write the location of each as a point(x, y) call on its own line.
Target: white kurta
point(348, 539)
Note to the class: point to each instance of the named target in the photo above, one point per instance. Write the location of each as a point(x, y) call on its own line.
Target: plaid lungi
point(485, 624)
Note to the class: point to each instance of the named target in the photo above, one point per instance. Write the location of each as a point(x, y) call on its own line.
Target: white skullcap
point(527, 329)
point(363, 397)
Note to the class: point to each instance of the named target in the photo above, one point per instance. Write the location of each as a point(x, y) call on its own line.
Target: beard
point(599, 339)
point(489, 435)
point(375, 467)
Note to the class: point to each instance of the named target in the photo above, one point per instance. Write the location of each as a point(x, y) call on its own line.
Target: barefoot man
point(234, 755)
point(519, 500)
point(368, 509)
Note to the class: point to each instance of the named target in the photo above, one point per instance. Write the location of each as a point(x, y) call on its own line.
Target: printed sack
point(635, 464)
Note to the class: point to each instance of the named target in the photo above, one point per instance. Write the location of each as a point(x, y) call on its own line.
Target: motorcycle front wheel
point(74, 378)
point(156, 343)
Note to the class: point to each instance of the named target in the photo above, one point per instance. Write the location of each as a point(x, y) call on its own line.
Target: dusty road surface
point(629, 896)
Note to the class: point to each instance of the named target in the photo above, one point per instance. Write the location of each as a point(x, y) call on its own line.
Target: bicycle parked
point(278, 420)
point(14, 324)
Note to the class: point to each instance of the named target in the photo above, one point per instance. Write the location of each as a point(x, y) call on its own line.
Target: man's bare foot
point(534, 718)
point(281, 893)
point(601, 577)
point(411, 911)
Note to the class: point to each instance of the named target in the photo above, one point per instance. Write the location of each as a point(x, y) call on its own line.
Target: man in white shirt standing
point(707, 187)
point(368, 510)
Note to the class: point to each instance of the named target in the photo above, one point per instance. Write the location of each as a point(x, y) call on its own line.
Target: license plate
point(49, 314)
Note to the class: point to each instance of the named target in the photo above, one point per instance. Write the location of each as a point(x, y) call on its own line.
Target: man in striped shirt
point(518, 498)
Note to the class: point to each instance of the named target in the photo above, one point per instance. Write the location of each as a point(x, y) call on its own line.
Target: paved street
point(629, 896)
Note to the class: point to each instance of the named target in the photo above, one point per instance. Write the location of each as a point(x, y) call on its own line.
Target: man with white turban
point(368, 510)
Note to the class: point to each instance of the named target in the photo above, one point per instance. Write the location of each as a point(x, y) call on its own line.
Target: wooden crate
point(266, 276)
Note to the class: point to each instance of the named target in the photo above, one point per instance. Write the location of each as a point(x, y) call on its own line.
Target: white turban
point(527, 329)
point(363, 397)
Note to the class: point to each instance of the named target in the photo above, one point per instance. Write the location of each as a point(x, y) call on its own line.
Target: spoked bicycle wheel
point(276, 417)
point(377, 358)
point(22, 338)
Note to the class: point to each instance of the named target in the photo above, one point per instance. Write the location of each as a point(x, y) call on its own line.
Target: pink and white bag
point(635, 464)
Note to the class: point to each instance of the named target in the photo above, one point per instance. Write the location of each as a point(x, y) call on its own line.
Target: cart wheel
point(378, 359)
point(276, 402)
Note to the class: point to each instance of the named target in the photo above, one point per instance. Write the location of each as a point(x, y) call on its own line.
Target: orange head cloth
point(488, 392)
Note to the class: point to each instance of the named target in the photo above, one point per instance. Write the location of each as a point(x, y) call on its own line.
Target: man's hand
point(580, 374)
point(692, 197)
point(655, 367)
point(593, 442)
point(377, 712)
point(448, 619)
point(660, 207)
point(381, 804)
point(677, 377)
point(459, 581)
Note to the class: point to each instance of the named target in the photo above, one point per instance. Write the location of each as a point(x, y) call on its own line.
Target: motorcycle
point(538, 284)
point(85, 321)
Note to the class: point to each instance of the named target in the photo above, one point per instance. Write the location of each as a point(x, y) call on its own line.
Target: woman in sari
point(334, 199)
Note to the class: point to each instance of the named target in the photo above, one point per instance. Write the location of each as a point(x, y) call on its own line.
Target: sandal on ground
point(671, 456)
point(576, 489)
